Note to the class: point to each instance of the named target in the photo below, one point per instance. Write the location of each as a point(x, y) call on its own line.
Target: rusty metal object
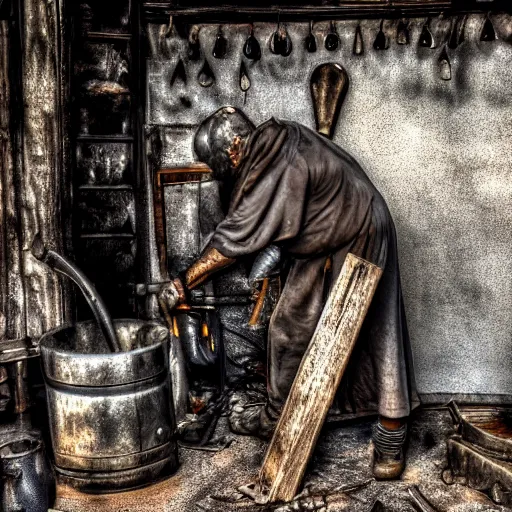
point(254, 321)
point(211, 261)
point(27, 481)
point(19, 375)
point(329, 85)
point(469, 467)
point(111, 414)
point(488, 428)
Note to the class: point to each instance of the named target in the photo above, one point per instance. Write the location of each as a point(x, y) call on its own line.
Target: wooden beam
point(43, 169)
point(219, 12)
point(317, 379)
point(12, 299)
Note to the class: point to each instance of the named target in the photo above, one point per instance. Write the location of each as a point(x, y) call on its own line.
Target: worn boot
point(388, 456)
point(252, 420)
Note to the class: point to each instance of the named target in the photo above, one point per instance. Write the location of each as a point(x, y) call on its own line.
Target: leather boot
point(252, 420)
point(388, 454)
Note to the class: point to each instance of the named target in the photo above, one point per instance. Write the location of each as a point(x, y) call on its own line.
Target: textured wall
point(438, 151)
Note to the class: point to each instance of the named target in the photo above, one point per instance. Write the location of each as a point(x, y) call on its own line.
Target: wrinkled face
point(220, 140)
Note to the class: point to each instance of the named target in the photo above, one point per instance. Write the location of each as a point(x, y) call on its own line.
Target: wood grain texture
point(12, 298)
point(318, 378)
point(41, 178)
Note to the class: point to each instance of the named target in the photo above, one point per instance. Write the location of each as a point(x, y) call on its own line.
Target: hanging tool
point(252, 49)
point(381, 41)
point(426, 38)
point(245, 82)
point(221, 45)
point(445, 68)
point(332, 41)
point(280, 42)
point(358, 42)
point(310, 41)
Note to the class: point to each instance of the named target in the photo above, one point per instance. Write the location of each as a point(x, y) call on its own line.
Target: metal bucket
point(111, 414)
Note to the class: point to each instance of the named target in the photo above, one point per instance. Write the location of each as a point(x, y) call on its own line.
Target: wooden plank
point(317, 379)
point(12, 298)
point(42, 174)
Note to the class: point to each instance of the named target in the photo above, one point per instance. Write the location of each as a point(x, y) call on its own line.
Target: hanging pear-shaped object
point(205, 77)
point(245, 82)
point(221, 45)
point(488, 33)
point(402, 33)
point(381, 41)
point(310, 42)
point(445, 68)
point(329, 85)
point(280, 42)
point(252, 49)
point(179, 72)
point(194, 49)
point(332, 41)
point(426, 38)
point(358, 42)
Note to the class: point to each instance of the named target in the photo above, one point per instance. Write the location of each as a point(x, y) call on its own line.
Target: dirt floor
point(338, 478)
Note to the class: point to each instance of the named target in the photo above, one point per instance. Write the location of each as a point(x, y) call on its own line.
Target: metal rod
point(60, 264)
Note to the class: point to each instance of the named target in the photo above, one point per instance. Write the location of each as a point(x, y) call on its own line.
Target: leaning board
point(317, 379)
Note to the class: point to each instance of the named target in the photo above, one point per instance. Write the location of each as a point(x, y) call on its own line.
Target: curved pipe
point(60, 264)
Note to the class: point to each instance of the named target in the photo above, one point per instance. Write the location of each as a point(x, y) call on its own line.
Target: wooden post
point(41, 168)
point(317, 379)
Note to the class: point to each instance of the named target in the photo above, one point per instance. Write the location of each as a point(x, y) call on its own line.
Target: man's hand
point(171, 294)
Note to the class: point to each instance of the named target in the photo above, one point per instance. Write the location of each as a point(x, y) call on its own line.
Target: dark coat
point(298, 190)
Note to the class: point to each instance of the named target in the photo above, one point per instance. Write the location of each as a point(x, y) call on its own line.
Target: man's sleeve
point(270, 211)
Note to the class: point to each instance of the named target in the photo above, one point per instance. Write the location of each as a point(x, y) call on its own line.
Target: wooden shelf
point(112, 188)
point(106, 236)
point(104, 138)
point(107, 36)
point(160, 11)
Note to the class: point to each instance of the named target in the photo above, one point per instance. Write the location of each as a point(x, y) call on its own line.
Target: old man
point(294, 189)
